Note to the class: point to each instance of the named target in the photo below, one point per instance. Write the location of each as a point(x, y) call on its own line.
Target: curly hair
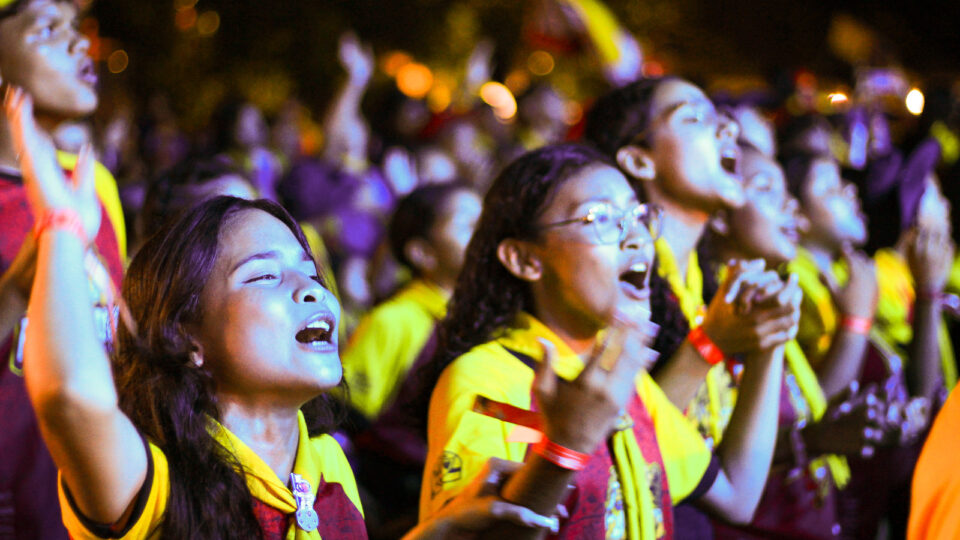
point(487, 297)
point(168, 398)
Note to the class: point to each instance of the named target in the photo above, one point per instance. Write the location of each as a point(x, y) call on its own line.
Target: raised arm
point(856, 300)
point(344, 126)
point(66, 370)
point(747, 448)
point(930, 256)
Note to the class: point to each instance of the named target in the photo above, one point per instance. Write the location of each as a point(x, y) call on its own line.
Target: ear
point(196, 354)
point(421, 254)
point(718, 223)
point(519, 259)
point(636, 162)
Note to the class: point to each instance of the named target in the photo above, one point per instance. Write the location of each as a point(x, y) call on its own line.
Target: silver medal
point(307, 518)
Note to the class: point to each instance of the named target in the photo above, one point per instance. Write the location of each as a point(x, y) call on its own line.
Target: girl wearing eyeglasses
point(556, 280)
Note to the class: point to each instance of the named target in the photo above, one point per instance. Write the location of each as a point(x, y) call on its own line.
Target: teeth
point(639, 267)
point(321, 324)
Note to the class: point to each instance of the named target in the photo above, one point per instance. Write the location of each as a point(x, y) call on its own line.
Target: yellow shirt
point(319, 457)
point(386, 343)
point(460, 441)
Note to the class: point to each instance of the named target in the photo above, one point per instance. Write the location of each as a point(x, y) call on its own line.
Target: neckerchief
point(263, 481)
point(631, 467)
point(716, 396)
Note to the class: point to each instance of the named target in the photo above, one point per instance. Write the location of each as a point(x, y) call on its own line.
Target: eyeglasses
point(611, 225)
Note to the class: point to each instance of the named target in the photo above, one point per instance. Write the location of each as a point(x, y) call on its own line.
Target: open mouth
point(729, 160)
point(88, 72)
point(634, 281)
point(319, 331)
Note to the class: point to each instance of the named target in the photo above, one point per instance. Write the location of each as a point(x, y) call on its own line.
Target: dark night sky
point(708, 37)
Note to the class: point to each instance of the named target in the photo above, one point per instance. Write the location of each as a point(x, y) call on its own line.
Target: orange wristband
point(560, 456)
point(857, 325)
point(63, 219)
point(705, 346)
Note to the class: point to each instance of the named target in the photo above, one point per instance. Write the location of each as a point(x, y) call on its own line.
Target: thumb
point(83, 177)
point(545, 381)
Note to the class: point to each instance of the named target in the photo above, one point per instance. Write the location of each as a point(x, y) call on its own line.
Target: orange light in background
point(573, 113)
point(393, 61)
point(185, 19)
point(540, 63)
point(517, 81)
point(118, 61)
point(500, 98)
point(838, 98)
point(183, 4)
point(652, 68)
point(414, 80)
point(915, 101)
point(208, 23)
point(439, 97)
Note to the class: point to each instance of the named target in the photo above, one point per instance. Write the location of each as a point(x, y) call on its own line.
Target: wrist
point(930, 294)
point(856, 324)
point(705, 347)
point(561, 456)
point(64, 220)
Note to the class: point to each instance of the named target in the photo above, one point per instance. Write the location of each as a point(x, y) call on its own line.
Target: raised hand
point(753, 310)
point(579, 414)
point(930, 257)
point(356, 58)
point(47, 187)
point(858, 297)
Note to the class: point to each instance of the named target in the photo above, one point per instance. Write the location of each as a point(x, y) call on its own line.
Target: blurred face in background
point(831, 206)
point(42, 52)
point(451, 233)
point(768, 224)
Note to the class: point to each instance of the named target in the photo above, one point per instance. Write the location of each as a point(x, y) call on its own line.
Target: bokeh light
point(500, 98)
point(540, 63)
point(915, 101)
point(118, 61)
point(208, 23)
point(414, 80)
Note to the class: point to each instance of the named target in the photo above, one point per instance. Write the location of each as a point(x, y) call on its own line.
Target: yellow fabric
point(894, 304)
point(713, 405)
point(806, 379)
point(109, 196)
point(460, 441)
point(387, 342)
point(602, 27)
point(818, 316)
point(320, 254)
point(953, 282)
point(320, 456)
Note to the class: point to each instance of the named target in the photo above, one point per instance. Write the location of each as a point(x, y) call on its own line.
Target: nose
point(635, 234)
point(308, 290)
point(727, 127)
point(80, 43)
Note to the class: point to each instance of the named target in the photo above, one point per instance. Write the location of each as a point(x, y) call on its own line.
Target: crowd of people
point(677, 318)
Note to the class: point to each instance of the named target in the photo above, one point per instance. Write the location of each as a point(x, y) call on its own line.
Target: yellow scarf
point(631, 467)
point(897, 295)
point(309, 463)
point(799, 367)
point(717, 393)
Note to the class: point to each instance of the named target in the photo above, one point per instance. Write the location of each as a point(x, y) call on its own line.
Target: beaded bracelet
point(560, 456)
point(705, 346)
point(63, 219)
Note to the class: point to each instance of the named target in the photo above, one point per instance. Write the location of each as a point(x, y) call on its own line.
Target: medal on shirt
point(307, 518)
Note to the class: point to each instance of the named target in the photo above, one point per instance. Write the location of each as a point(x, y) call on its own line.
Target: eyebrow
point(272, 254)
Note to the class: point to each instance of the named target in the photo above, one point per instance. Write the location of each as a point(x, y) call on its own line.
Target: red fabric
point(587, 502)
point(339, 518)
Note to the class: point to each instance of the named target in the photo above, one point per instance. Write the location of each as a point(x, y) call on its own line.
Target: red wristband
point(705, 346)
point(560, 456)
point(63, 219)
point(857, 325)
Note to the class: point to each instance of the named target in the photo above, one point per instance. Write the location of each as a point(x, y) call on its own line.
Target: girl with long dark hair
point(562, 251)
point(211, 420)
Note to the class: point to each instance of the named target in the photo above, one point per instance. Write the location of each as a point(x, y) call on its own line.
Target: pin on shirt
point(307, 518)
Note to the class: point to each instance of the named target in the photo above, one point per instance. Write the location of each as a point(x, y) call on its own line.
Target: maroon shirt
point(29, 506)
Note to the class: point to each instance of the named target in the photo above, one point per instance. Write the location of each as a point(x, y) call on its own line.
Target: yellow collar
point(689, 292)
